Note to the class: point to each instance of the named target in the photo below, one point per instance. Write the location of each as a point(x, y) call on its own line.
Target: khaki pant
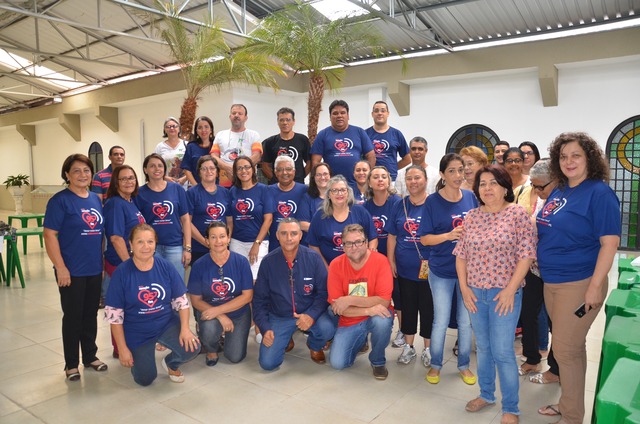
point(569, 342)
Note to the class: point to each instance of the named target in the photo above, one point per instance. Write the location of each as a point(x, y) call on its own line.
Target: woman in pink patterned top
point(493, 256)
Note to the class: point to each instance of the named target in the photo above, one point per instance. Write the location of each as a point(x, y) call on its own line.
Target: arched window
point(623, 151)
point(473, 135)
point(95, 154)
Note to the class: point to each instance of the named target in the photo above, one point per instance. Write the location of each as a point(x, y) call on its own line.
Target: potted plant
point(15, 184)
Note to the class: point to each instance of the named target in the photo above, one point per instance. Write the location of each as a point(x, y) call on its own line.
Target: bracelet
point(257, 241)
point(187, 248)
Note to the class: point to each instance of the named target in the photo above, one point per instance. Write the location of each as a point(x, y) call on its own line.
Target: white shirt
point(231, 144)
point(433, 176)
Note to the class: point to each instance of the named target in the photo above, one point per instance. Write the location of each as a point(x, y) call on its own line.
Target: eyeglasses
point(338, 191)
point(208, 169)
point(540, 188)
point(221, 274)
point(126, 179)
point(527, 153)
point(287, 169)
point(352, 244)
point(171, 127)
point(383, 110)
point(244, 168)
point(517, 160)
point(323, 175)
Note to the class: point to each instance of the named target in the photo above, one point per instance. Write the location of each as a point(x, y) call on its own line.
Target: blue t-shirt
point(162, 210)
point(569, 229)
point(80, 227)
point(341, 150)
point(288, 205)
point(192, 154)
point(381, 216)
point(205, 208)
point(407, 238)
point(310, 205)
point(248, 208)
point(120, 217)
point(206, 280)
point(441, 216)
point(358, 196)
point(387, 147)
point(145, 297)
point(326, 233)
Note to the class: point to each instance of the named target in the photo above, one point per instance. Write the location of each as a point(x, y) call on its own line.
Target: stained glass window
point(473, 135)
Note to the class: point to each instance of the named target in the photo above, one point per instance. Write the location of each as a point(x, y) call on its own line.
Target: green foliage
point(16, 180)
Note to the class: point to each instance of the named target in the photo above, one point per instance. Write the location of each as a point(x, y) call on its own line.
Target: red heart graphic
point(161, 211)
point(148, 297)
point(458, 221)
point(308, 288)
point(213, 211)
point(379, 224)
point(220, 289)
point(337, 240)
point(378, 147)
point(342, 146)
point(90, 219)
point(282, 152)
point(242, 207)
point(233, 156)
point(284, 209)
point(411, 227)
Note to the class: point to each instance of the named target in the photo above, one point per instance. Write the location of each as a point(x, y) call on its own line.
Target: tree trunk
point(188, 117)
point(314, 105)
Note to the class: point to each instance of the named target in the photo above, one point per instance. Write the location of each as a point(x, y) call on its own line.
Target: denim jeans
point(283, 328)
point(174, 255)
point(494, 340)
point(144, 369)
point(235, 342)
point(442, 290)
point(349, 340)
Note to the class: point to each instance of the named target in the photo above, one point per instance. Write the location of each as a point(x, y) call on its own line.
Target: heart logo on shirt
point(90, 219)
point(411, 227)
point(243, 207)
point(337, 240)
point(378, 224)
point(285, 209)
point(161, 211)
point(148, 297)
point(378, 147)
point(220, 289)
point(214, 211)
point(308, 288)
point(341, 145)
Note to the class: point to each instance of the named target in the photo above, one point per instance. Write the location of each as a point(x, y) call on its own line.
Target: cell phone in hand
point(581, 311)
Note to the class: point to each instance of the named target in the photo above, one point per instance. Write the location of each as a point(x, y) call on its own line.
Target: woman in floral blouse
point(494, 254)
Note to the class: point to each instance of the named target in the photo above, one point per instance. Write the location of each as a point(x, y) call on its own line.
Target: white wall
point(593, 97)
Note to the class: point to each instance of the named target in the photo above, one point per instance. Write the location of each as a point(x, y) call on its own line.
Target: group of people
point(377, 233)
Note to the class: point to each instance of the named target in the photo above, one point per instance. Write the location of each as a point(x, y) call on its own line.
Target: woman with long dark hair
point(198, 147)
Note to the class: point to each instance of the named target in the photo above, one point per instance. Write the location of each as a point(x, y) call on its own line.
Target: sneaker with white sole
point(176, 378)
point(426, 357)
point(407, 355)
point(398, 341)
point(259, 338)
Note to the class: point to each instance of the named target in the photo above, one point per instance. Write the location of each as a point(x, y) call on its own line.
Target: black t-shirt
point(297, 148)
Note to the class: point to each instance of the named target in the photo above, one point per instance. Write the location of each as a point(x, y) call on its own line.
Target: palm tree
point(207, 61)
point(307, 42)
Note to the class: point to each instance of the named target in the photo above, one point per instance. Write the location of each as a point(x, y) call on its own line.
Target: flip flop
point(539, 378)
point(549, 411)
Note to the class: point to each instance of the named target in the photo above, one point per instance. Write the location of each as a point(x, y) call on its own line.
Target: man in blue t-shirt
point(342, 145)
point(388, 142)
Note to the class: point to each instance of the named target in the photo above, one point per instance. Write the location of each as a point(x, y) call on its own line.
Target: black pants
point(79, 303)
point(416, 298)
point(532, 300)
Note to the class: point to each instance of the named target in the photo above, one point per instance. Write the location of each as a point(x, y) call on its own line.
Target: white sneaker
point(426, 357)
point(398, 341)
point(407, 355)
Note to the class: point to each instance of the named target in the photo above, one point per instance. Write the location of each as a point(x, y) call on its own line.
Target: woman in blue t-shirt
point(360, 173)
point(312, 199)
point(165, 207)
point(73, 230)
point(441, 227)
point(337, 211)
point(198, 147)
point(221, 288)
point(208, 202)
point(252, 212)
point(409, 263)
point(579, 231)
point(147, 304)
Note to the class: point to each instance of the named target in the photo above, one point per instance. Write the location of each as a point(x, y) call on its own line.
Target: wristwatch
point(187, 248)
point(257, 241)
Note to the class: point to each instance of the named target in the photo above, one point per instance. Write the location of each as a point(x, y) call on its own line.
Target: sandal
point(477, 404)
point(528, 369)
point(549, 411)
point(98, 365)
point(72, 374)
point(540, 378)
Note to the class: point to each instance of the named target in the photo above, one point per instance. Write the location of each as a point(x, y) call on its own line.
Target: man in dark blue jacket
point(291, 294)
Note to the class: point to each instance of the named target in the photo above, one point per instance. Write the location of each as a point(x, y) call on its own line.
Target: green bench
point(29, 231)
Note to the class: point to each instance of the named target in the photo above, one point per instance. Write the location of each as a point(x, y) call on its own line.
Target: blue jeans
point(283, 328)
point(494, 340)
point(174, 255)
point(442, 291)
point(144, 369)
point(349, 340)
point(235, 342)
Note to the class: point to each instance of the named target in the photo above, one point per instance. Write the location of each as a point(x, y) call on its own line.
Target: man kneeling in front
point(359, 286)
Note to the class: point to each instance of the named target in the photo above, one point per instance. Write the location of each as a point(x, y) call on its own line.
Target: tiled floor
point(33, 388)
